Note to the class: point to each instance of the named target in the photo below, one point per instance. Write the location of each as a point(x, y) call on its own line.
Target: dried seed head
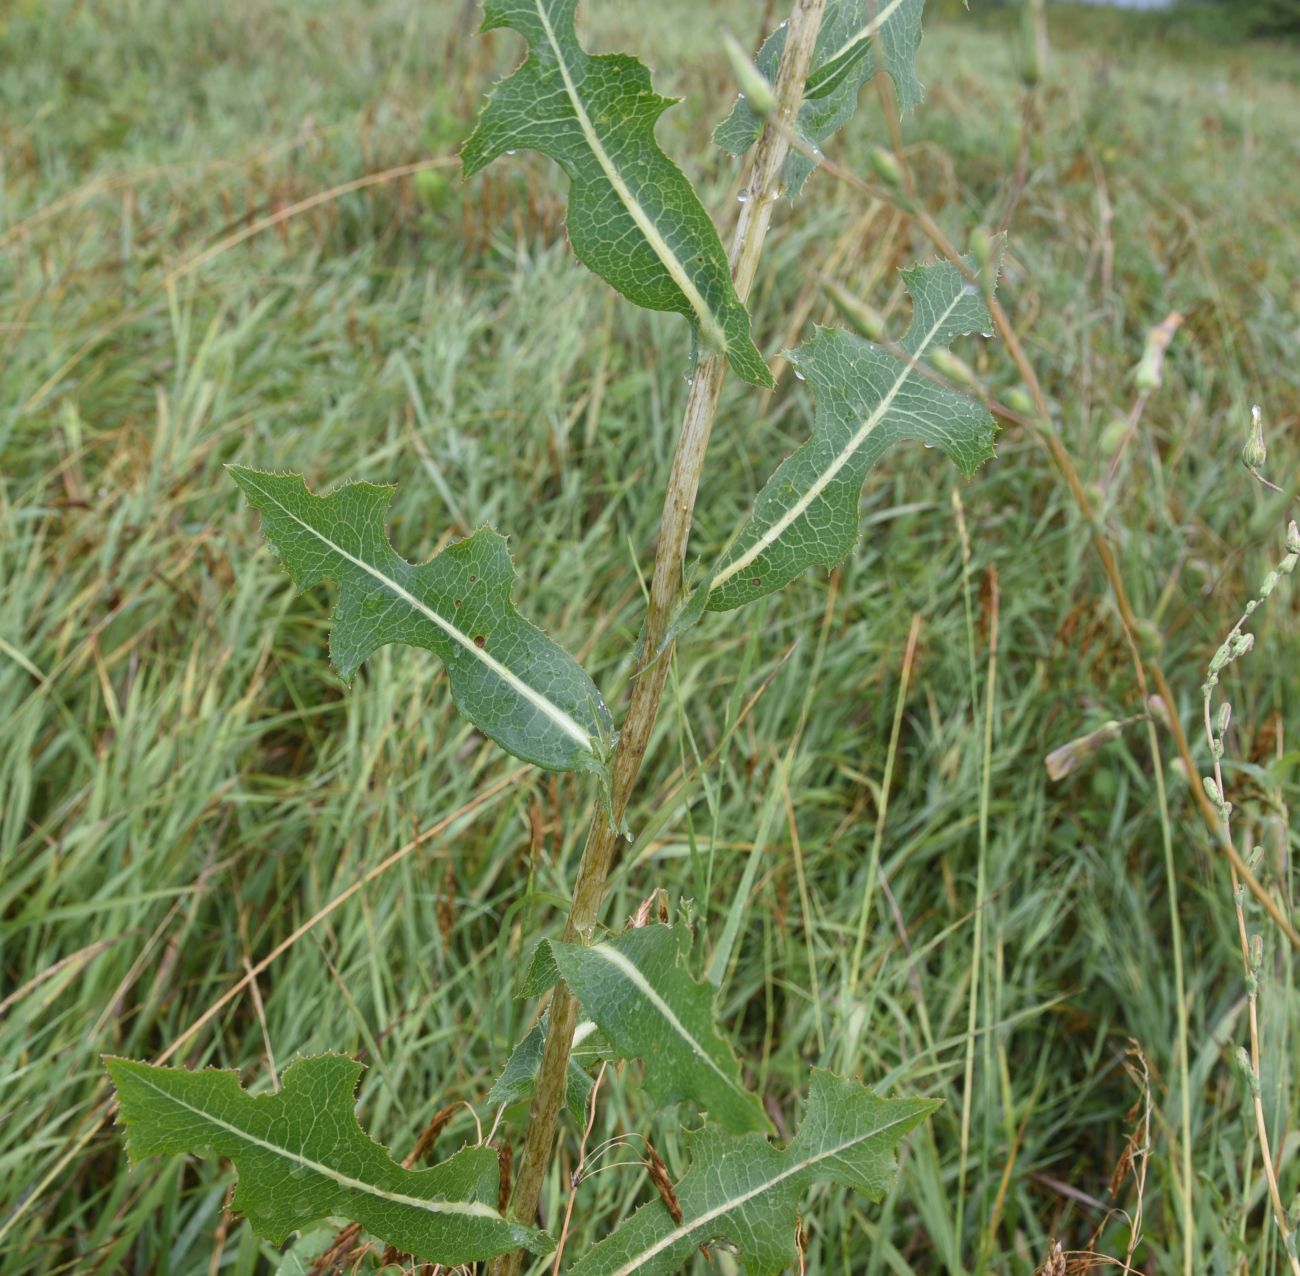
point(1070, 757)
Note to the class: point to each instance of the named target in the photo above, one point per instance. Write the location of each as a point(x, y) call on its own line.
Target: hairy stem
point(665, 596)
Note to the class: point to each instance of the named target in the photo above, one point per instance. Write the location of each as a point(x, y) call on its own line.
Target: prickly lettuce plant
point(635, 220)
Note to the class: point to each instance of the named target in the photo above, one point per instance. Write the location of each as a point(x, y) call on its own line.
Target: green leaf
point(507, 677)
point(639, 991)
point(867, 399)
point(633, 217)
point(843, 61)
point(301, 1157)
point(747, 1192)
point(519, 1077)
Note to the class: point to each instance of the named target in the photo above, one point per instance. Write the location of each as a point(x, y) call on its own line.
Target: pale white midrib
point(475, 1208)
point(647, 990)
point(512, 680)
point(708, 320)
point(874, 25)
point(778, 529)
point(701, 1220)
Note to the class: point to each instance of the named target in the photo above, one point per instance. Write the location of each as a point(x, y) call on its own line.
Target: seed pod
point(1225, 716)
point(1292, 538)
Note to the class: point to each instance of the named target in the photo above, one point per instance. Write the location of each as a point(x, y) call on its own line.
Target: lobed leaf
point(746, 1192)
point(638, 989)
point(843, 61)
point(301, 1156)
point(515, 684)
point(633, 216)
point(868, 398)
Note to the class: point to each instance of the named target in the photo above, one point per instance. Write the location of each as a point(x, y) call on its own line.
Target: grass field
point(184, 783)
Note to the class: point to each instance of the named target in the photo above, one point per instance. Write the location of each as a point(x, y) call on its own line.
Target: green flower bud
point(866, 320)
point(1150, 371)
point(886, 167)
point(1112, 436)
point(1019, 401)
point(1255, 453)
point(754, 85)
point(954, 369)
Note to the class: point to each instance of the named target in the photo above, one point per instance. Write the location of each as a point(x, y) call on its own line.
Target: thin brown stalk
point(604, 835)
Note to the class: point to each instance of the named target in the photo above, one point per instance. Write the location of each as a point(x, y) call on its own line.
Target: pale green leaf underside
point(638, 989)
point(743, 1190)
point(515, 684)
point(867, 399)
point(301, 1156)
point(843, 61)
point(633, 217)
point(519, 1077)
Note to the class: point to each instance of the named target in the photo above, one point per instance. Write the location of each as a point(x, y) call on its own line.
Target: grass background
point(184, 782)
